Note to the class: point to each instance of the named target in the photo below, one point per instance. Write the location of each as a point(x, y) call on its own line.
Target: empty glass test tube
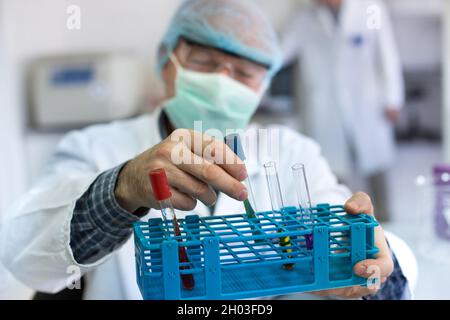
point(273, 184)
point(304, 200)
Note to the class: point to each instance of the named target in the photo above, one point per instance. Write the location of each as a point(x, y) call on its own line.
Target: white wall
point(39, 26)
point(446, 86)
point(11, 136)
point(416, 7)
point(12, 173)
point(418, 19)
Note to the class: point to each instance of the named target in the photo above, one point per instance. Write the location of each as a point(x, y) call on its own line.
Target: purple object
point(441, 175)
point(309, 241)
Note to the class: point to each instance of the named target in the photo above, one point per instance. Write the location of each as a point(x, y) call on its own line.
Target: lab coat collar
point(327, 20)
point(159, 116)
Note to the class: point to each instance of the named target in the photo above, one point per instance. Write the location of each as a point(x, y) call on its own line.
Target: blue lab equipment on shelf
point(227, 262)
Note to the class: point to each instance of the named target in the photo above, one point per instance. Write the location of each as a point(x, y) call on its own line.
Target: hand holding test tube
point(161, 191)
point(233, 141)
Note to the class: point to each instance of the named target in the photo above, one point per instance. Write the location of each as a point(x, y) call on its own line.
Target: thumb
point(360, 202)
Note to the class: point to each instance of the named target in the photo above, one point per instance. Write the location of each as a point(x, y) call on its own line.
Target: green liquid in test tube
point(233, 141)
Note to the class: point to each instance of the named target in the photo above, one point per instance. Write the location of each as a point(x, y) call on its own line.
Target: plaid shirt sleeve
point(99, 225)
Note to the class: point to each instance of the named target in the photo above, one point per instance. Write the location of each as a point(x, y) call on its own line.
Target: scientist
point(216, 60)
point(351, 86)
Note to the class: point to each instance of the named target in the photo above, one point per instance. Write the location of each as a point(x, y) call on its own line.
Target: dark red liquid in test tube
point(161, 192)
point(187, 279)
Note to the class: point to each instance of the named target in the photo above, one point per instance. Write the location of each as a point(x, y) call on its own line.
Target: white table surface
point(433, 258)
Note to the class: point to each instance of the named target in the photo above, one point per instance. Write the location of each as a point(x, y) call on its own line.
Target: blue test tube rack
point(229, 261)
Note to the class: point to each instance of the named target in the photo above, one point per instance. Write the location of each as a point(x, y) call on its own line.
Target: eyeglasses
point(201, 58)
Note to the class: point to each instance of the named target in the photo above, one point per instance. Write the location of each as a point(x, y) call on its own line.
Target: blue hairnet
point(236, 26)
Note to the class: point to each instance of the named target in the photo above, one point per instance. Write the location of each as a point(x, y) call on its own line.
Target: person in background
point(352, 87)
point(216, 60)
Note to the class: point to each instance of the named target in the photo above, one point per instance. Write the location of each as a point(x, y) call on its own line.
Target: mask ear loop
point(265, 85)
point(184, 47)
point(175, 61)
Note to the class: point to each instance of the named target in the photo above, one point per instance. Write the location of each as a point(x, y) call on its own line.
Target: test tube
point(276, 199)
point(162, 194)
point(233, 141)
point(304, 199)
point(250, 203)
point(273, 184)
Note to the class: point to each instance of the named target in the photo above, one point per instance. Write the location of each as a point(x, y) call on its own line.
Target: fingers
point(216, 177)
point(323, 293)
point(359, 292)
point(219, 153)
point(392, 114)
point(382, 266)
point(191, 186)
point(205, 164)
point(205, 146)
point(354, 292)
point(183, 202)
point(379, 268)
point(359, 203)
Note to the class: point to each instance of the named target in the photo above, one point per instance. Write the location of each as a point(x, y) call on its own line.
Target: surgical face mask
point(211, 102)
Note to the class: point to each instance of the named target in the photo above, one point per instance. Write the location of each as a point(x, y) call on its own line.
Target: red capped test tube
point(162, 194)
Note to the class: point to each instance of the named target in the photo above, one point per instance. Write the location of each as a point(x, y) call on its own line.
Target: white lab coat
point(34, 242)
point(349, 74)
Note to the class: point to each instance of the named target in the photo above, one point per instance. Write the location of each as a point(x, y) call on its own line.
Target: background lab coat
point(350, 74)
point(35, 238)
